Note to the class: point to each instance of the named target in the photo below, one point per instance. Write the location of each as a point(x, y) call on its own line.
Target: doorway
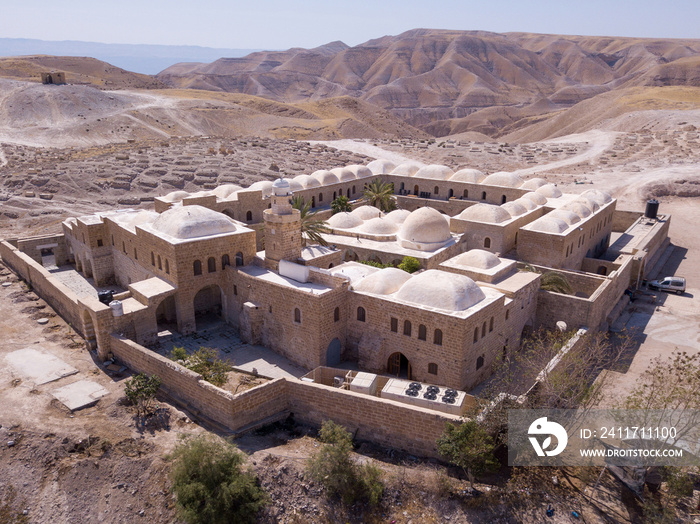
point(399, 366)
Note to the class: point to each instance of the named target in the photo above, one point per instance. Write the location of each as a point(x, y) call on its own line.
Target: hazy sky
point(279, 24)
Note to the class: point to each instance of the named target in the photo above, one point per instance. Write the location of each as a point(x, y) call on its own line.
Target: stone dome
point(538, 199)
point(384, 282)
point(343, 174)
point(468, 175)
point(184, 222)
point(441, 290)
point(478, 258)
point(381, 166)
point(591, 204)
point(360, 171)
point(549, 191)
point(581, 209)
point(366, 212)
point(425, 227)
point(325, 177)
point(310, 181)
point(407, 168)
point(296, 185)
point(175, 196)
point(226, 190)
point(435, 172)
point(486, 213)
point(526, 203)
point(264, 185)
point(398, 216)
point(344, 220)
point(503, 179)
point(132, 219)
point(379, 226)
point(534, 183)
point(514, 208)
point(564, 214)
point(281, 187)
point(599, 197)
point(548, 224)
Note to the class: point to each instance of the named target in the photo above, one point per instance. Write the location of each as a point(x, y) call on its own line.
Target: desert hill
point(442, 81)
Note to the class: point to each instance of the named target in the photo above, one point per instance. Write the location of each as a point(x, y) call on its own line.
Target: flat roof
point(275, 278)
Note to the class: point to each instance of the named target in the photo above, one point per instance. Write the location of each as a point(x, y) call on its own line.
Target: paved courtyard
point(77, 283)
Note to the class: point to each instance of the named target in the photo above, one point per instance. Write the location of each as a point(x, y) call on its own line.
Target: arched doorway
point(450, 193)
point(399, 366)
point(229, 213)
point(208, 307)
point(166, 315)
point(415, 190)
point(333, 353)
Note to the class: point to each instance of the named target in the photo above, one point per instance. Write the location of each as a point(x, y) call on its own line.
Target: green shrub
point(374, 264)
point(141, 390)
point(409, 264)
point(210, 484)
point(205, 362)
point(468, 446)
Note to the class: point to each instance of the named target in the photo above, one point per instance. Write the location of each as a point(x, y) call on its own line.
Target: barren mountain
point(443, 81)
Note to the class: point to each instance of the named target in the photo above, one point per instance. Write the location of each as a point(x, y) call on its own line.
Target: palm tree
point(553, 281)
point(341, 204)
point(381, 195)
point(311, 227)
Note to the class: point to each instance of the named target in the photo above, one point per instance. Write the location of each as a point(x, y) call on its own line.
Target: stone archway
point(166, 315)
point(208, 306)
point(399, 366)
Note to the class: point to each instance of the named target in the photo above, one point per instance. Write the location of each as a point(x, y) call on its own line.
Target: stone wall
point(31, 246)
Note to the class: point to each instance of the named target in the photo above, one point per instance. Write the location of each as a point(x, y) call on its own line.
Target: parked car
point(676, 284)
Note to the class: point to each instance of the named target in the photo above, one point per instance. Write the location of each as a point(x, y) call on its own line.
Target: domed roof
point(533, 183)
point(536, 198)
point(548, 224)
point(360, 171)
point(468, 175)
point(344, 220)
point(281, 187)
point(384, 282)
point(503, 179)
point(295, 184)
point(264, 185)
point(325, 177)
point(599, 197)
point(379, 226)
point(434, 171)
point(564, 214)
point(175, 196)
point(186, 222)
point(549, 191)
point(343, 174)
point(135, 218)
point(226, 190)
point(198, 194)
point(581, 209)
point(486, 213)
point(381, 166)
point(514, 208)
point(307, 181)
point(398, 216)
point(590, 203)
point(526, 203)
point(407, 168)
point(477, 258)
point(441, 290)
point(366, 212)
point(425, 226)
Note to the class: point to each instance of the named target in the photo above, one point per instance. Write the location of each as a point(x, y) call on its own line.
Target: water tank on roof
point(652, 208)
point(117, 308)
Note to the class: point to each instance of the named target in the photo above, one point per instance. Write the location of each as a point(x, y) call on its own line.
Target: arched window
point(491, 325)
point(432, 368)
point(483, 195)
point(197, 267)
point(167, 266)
point(353, 190)
point(211, 265)
point(394, 325)
point(136, 255)
point(160, 264)
point(466, 193)
point(336, 314)
point(361, 314)
point(450, 193)
point(437, 337)
point(297, 315)
point(313, 201)
point(507, 313)
point(249, 216)
point(479, 362)
point(422, 332)
point(335, 195)
point(476, 334)
point(348, 192)
point(487, 242)
point(225, 261)
point(153, 259)
point(436, 190)
point(320, 197)
point(483, 330)
point(407, 328)
point(503, 199)
point(239, 259)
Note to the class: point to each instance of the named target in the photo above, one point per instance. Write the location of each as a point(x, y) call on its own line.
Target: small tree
point(409, 264)
point(341, 204)
point(553, 281)
point(468, 446)
point(381, 195)
point(204, 361)
point(211, 485)
point(141, 390)
point(312, 228)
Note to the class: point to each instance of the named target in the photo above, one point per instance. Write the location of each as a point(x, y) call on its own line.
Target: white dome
point(343, 174)
point(199, 194)
point(407, 168)
point(185, 222)
point(175, 196)
point(344, 220)
point(425, 226)
point(134, 218)
point(384, 282)
point(435, 172)
point(591, 204)
point(307, 181)
point(503, 179)
point(534, 183)
point(538, 199)
point(581, 209)
point(381, 166)
point(326, 178)
point(485, 213)
point(526, 203)
point(599, 197)
point(468, 175)
point(264, 185)
point(366, 212)
point(379, 226)
point(564, 214)
point(296, 185)
point(477, 258)
point(441, 290)
point(360, 171)
point(549, 225)
point(398, 216)
point(280, 187)
point(514, 208)
point(549, 191)
point(225, 190)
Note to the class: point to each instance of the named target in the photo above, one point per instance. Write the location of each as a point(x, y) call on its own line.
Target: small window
point(297, 315)
point(491, 325)
point(336, 314)
point(153, 259)
point(269, 308)
point(167, 266)
point(437, 337)
point(361, 314)
point(394, 325)
point(432, 368)
point(422, 332)
point(197, 267)
point(320, 197)
point(225, 261)
point(160, 265)
point(407, 328)
point(466, 193)
point(239, 259)
point(476, 335)
point(436, 190)
point(136, 255)
point(483, 330)
point(249, 216)
point(487, 242)
point(503, 199)
point(353, 190)
point(112, 239)
point(483, 195)
point(124, 247)
point(235, 289)
point(99, 242)
point(507, 313)
point(335, 195)
point(479, 362)
point(211, 265)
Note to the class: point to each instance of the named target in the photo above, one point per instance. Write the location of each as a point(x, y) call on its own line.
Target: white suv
point(676, 284)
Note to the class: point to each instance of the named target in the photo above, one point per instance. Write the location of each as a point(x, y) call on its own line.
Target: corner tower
point(282, 227)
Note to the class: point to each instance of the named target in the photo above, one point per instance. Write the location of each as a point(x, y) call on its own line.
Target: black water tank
point(652, 208)
point(105, 296)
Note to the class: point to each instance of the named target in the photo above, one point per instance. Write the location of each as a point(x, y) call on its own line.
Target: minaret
point(282, 227)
